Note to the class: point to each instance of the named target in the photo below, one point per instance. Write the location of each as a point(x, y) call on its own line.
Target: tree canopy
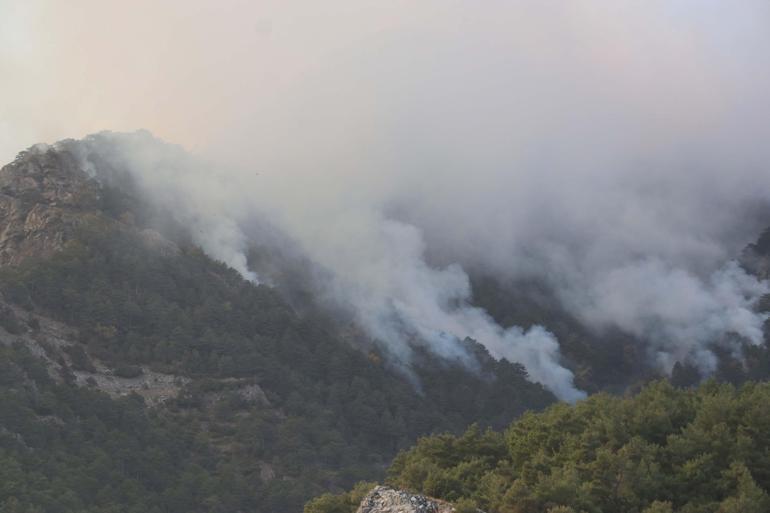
point(331, 413)
point(666, 449)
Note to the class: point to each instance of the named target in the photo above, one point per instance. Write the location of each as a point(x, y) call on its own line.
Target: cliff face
point(387, 500)
point(44, 195)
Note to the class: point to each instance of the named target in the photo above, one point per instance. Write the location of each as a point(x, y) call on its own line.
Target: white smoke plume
point(379, 271)
point(613, 150)
point(676, 312)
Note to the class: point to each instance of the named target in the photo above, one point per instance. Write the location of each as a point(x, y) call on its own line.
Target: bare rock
point(388, 500)
point(155, 387)
point(44, 196)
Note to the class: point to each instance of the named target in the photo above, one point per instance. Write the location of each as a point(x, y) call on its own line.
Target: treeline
point(665, 450)
point(334, 414)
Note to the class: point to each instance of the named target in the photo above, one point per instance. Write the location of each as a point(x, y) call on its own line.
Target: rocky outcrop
point(43, 337)
point(383, 499)
point(155, 387)
point(44, 196)
point(47, 194)
point(57, 346)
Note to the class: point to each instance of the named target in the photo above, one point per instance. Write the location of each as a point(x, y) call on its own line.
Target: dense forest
point(66, 448)
point(664, 450)
point(328, 413)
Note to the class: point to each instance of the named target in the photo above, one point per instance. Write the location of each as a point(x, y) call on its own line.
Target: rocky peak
point(383, 499)
point(45, 174)
point(44, 195)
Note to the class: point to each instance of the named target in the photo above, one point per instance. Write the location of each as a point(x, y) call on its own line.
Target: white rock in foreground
point(383, 499)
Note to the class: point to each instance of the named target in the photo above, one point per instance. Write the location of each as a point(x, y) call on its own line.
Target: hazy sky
point(617, 150)
point(206, 73)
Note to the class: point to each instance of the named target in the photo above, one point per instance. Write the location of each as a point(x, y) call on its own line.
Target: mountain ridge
point(110, 302)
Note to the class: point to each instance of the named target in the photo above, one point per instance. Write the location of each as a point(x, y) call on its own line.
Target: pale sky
point(223, 74)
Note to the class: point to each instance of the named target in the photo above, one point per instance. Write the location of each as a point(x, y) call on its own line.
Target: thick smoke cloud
point(615, 151)
point(378, 271)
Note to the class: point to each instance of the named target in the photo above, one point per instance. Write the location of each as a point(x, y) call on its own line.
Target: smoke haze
point(615, 151)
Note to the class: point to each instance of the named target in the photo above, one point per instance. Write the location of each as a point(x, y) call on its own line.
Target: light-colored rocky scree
point(383, 499)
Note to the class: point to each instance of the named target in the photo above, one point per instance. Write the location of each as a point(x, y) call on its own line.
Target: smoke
point(676, 312)
point(615, 151)
point(206, 202)
point(377, 266)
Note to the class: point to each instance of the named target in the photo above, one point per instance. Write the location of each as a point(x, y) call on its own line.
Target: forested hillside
point(138, 374)
point(665, 450)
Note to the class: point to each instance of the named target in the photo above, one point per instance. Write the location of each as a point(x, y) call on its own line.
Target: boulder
point(383, 499)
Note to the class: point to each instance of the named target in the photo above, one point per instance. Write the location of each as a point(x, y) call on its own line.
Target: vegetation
point(665, 450)
point(278, 406)
point(325, 414)
point(339, 503)
point(64, 448)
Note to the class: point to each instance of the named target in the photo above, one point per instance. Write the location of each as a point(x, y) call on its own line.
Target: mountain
point(140, 374)
point(669, 446)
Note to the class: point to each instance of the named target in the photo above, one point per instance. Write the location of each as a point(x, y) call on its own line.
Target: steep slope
point(613, 360)
point(609, 361)
point(43, 197)
point(120, 333)
point(112, 317)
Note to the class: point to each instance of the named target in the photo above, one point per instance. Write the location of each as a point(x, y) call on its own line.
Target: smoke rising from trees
point(615, 151)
